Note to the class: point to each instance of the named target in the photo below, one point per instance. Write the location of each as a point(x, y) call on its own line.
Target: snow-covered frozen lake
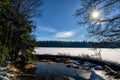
point(106, 54)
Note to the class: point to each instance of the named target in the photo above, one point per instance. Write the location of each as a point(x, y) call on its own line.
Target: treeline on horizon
point(78, 44)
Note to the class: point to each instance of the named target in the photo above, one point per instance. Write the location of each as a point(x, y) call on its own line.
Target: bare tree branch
point(106, 26)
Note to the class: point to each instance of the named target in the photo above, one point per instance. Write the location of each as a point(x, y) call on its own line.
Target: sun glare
point(95, 14)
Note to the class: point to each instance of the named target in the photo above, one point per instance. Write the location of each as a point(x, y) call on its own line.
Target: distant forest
point(78, 44)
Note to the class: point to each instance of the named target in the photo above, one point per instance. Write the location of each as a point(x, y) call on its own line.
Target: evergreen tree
point(16, 27)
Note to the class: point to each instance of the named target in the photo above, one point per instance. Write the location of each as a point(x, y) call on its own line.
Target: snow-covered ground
point(106, 54)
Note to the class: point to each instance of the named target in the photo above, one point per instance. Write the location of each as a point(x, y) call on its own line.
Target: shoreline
point(82, 65)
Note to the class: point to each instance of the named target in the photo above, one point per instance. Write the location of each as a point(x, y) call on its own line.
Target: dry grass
point(86, 56)
point(30, 66)
point(12, 68)
point(63, 54)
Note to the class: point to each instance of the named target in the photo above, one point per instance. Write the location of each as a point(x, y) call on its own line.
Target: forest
point(78, 44)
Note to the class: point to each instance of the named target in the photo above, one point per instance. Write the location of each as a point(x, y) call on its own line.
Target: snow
point(106, 54)
point(102, 74)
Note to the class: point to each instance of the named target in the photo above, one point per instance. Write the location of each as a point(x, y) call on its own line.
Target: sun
point(95, 14)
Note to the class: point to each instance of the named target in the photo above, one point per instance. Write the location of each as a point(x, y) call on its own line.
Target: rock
point(89, 64)
point(75, 66)
point(72, 65)
point(87, 68)
point(69, 65)
point(98, 68)
point(73, 61)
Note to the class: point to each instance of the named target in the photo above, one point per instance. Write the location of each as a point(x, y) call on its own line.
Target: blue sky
point(58, 21)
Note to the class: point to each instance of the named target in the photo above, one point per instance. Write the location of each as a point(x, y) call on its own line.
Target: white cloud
point(46, 29)
point(65, 34)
